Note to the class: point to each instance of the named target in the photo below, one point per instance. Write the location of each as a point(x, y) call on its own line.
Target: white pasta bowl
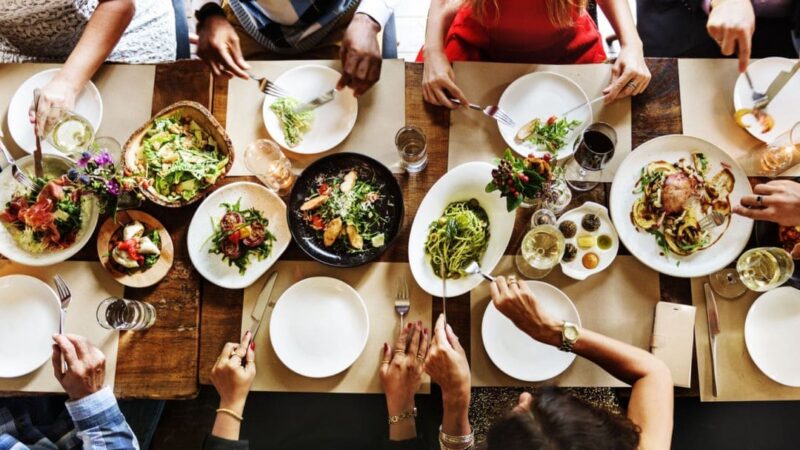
point(463, 183)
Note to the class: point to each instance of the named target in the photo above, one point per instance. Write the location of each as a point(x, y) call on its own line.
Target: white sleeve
point(379, 10)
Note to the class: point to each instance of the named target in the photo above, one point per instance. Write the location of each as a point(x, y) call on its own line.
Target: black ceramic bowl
point(391, 206)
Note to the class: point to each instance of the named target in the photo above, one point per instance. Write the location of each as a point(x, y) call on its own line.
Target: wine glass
point(780, 154)
point(264, 159)
point(68, 131)
point(593, 151)
point(758, 269)
point(542, 246)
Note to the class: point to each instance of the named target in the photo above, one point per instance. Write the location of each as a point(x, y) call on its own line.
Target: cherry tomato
point(551, 120)
point(317, 223)
point(323, 189)
point(235, 237)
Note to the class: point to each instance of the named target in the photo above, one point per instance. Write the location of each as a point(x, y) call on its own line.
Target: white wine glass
point(541, 248)
point(759, 269)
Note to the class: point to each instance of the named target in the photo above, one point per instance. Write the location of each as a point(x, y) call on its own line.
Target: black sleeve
point(409, 444)
point(217, 443)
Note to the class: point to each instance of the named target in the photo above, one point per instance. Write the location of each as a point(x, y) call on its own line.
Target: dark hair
point(559, 421)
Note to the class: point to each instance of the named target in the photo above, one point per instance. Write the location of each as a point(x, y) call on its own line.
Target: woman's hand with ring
point(780, 203)
point(517, 302)
point(629, 75)
point(401, 369)
point(234, 372)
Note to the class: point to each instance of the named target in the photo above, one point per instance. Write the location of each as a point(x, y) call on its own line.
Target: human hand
point(86, 365)
point(401, 369)
point(234, 372)
point(361, 55)
point(517, 302)
point(629, 75)
point(447, 365)
point(780, 203)
point(58, 93)
point(218, 46)
point(731, 23)
point(439, 81)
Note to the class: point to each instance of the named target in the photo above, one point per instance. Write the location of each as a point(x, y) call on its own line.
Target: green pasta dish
point(457, 238)
point(293, 123)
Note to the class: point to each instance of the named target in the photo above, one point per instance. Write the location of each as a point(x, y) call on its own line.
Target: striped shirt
point(94, 422)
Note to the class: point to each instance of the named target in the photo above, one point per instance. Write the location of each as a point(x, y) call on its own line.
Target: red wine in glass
point(594, 150)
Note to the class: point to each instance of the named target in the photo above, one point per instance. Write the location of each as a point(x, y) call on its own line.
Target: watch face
point(570, 332)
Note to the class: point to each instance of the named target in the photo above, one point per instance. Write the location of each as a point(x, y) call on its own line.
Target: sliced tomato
point(231, 220)
point(257, 234)
point(317, 223)
point(235, 237)
point(324, 189)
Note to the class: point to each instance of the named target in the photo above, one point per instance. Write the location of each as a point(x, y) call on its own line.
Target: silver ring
point(631, 85)
point(512, 279)
point(759, 201)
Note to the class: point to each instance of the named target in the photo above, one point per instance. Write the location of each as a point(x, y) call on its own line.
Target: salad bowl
point(189, 121)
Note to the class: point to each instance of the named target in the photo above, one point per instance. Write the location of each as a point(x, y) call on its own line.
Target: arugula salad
point(293, 124)
point(240, 234)
point(180, 158)
point(550, 134)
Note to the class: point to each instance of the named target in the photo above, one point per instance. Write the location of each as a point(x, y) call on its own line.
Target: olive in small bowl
point(568, 229)
point(570, 251)
point(590, 222)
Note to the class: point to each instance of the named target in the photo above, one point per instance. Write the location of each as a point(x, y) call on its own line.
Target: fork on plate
point(268, 87)
point(492, 111)
point(18, 174)
point(711, 221)
point(64, 297)
point(402, 303)
point(759, 98)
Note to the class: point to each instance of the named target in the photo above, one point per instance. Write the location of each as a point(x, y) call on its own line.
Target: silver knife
point(713, 331)
point(316, 103)
point(778, 83)
point(262, 303)
point(38, 169)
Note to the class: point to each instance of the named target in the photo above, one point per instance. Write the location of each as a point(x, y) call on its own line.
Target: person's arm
point(630, 75)
point(98, 421)
point(651, 402)
point(731, 23)
point(217, 42)
point(232, 376)
point(438, 78)
point(104, 29)
point(776, 201)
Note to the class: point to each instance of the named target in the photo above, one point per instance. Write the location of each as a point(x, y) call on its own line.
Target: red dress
point(523, 34)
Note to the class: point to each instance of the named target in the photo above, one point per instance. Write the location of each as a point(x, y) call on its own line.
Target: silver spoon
point(474, 268)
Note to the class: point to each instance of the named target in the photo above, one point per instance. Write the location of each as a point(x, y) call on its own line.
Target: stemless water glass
point(781, 154)
point(115, 313)
point(542, 247)
point(593, 151)
point(413, 148)
point(264, 159)
point(68, 131)
point(110, 145)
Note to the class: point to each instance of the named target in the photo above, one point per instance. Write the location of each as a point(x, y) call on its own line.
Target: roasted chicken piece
point(349, 181)
point(678, 189)
point(332, 231)
point(314, 203)
point(356, 241)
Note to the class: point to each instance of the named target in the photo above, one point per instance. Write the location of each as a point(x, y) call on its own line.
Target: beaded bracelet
point(449, 442)
point(406, 415)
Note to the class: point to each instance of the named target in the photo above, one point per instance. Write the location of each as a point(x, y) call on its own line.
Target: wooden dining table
point(196, 318)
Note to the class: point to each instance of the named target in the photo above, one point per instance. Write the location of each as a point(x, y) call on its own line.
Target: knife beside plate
point(261, 304)
point(713, 330)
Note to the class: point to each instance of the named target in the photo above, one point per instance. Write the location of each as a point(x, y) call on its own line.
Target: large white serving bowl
point(11, 249)
point(541, 95)
point(771, 333)
point(643, 245)
point(319, 327)
point(211, 266)
point(89, 104)
point(783, 108)
point(30, 314)
point(519, 355)
point(332, 122)
point(462, 183)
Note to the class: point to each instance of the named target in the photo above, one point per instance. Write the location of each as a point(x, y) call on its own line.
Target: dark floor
point(355, 422)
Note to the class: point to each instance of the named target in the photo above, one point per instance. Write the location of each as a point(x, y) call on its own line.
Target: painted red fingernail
point(253, 345)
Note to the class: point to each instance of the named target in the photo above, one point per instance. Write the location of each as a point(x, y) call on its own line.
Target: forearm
point(455, 416)
point(404, 429)
point(440, 17)
point(105, 28)
point(227, 426)
point(619, 15)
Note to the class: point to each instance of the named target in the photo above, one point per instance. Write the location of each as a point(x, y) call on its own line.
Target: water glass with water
point(115, 313)
point(264, 159)
point(413, 148)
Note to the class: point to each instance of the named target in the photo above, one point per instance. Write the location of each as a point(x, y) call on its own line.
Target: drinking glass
point(413, 148)
point(68, 131)
point(115, 313)
point(542, 246)
point(758, 269)
point(781, 154)
point(593, 151)
point(111, 145)
point(264, 159)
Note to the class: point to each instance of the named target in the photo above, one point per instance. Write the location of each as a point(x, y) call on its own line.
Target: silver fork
point(492, 111)
point(64, 296)
point(401, 301)
point(759, 98)
point(712, 221)
point(268, 87)
point(18, 174)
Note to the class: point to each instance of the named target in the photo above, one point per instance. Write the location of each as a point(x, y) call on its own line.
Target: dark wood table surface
point(195, 318)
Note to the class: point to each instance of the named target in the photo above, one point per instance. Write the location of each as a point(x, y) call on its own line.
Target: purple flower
point(85, 158)
point(113, 187)
point(103, 158)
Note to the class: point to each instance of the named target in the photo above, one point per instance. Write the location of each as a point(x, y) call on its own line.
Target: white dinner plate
point(643, 245)
point(30, 314)
point(89, 104)
point(771, 333)
point(462, 183)
point(319, 327)
point(211, 266)
point(519, 355)
point(783, 108)
point(541, 95)
point(332, 122)
point(10, 248)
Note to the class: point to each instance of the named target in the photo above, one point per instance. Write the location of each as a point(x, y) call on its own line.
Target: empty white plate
point(519, 355)
point(332, 121)
point(783, 108)
point(771, 333)
point(319, 327)
point(541, 95)
point(29, 316)
point(89, 104)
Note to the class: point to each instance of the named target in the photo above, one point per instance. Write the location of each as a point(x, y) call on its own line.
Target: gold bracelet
point(231, 413)
point(406, 415)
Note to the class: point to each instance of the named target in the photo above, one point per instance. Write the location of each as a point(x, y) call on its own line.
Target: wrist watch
point(569, 336)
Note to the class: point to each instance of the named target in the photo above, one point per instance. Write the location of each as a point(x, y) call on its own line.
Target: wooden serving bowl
point(133, 157)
